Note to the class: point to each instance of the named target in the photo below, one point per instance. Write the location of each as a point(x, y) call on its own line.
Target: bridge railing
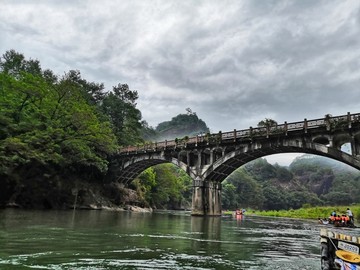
point(328, 121)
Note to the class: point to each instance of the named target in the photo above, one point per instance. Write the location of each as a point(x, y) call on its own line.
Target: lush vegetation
point(309, 212)
point(164, 186)
point(57, 131)
point(309, 180)
point(64, 121)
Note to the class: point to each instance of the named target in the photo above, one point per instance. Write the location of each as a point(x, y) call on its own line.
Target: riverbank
point(308, 212)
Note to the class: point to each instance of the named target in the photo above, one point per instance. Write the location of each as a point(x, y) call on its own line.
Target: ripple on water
point(160, 242)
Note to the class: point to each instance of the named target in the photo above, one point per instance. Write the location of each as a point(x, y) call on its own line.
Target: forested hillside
point(56, 132)
point(309, 179)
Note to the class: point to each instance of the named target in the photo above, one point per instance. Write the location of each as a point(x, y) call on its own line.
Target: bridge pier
point(206, 198)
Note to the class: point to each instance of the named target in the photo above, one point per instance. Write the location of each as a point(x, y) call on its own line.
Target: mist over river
point(160, 240)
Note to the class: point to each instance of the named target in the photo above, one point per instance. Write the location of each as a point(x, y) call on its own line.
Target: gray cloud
point(232, 62)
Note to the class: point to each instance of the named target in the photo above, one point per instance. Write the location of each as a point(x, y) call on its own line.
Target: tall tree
point(14, 63)
point(93, 92)
point(120, 106)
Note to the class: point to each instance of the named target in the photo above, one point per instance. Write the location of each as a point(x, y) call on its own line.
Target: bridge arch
point(235, 159)
point(133, 167)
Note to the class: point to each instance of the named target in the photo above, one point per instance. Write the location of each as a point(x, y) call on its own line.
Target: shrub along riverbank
point(309, 212)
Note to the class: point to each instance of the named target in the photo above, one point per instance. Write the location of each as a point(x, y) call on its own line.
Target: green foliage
point(15, 65)
point(144, 185)
point(261, 170)
point(68, 124)
point(349, 184)
point(283, 174)
point(120, 106)
point(164, 186)
point(274, 198)
point(336, 198)
point(356, 212)
point(309, 212)
point(229, 196)
point(170, 186)
point(241, 190)
point(50, 120)
point(304, 165)
point(296, 199)
point(41, 126)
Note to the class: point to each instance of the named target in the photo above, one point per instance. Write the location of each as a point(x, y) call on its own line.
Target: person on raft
point(345, 220)
point(350, 215)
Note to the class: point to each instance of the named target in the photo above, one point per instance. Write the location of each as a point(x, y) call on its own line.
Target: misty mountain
point(182, 125)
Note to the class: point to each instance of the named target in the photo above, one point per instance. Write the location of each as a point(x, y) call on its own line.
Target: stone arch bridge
point(210, 158)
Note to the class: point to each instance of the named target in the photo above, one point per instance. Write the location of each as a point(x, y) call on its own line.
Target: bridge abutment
point(206, 198)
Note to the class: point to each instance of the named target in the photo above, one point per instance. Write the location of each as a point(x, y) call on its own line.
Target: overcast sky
point(234, 63)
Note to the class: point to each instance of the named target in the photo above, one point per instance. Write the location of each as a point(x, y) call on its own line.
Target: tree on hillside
point(241, 190)
point(275, 198)
point(336, 198)
point(347, 184)
point(164, 186)
point(39, 126)
point(120, 106)
point(47, 120)
point(229, 196)
point(144, 184)
point(283, 174)
point(93, 92)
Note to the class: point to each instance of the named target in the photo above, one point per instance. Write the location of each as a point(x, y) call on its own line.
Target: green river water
point(163, 240)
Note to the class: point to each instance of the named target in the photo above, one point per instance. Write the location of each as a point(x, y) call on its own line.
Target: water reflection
point(208, 227)
point(207, 232)
point(239, 219)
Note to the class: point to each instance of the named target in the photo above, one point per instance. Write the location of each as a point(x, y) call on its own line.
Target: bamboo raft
point(339, 250)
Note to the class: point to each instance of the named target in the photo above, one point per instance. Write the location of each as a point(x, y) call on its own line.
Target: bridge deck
point(285, 128)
